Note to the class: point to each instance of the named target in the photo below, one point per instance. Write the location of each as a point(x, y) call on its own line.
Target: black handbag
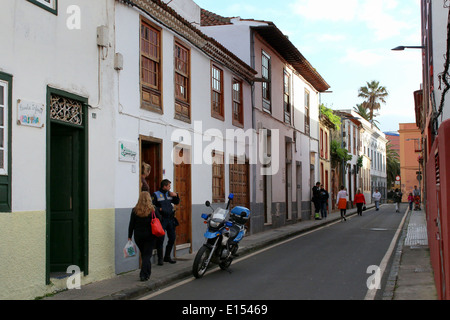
point(364, 208)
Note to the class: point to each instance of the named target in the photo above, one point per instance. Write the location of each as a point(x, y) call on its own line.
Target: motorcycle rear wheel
point(200, 266)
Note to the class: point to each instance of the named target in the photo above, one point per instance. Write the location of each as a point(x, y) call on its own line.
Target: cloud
point(377, 15)
point(330, 10)
point(364, 58)
point(331, 37)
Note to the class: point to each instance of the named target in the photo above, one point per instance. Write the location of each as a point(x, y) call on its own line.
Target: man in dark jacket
point(323, 196)
point(316, 200)
point(163, 200)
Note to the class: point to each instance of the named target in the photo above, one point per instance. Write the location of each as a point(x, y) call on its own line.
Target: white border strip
point(371, 293)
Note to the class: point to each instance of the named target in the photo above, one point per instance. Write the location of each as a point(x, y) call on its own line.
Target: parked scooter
point(225, 230)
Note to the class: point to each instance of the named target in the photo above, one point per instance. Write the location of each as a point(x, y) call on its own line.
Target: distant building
point(394, 139)
point(410, 149)
point(285, 102)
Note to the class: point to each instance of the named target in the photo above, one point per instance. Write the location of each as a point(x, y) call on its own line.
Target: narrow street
point(327, 264)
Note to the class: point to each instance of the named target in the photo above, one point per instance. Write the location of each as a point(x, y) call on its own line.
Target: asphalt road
point(328, 264)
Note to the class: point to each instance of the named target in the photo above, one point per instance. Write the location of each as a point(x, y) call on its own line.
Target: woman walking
point(341, 202)
point(410, 201)
point(140, 224)
point(360, 200)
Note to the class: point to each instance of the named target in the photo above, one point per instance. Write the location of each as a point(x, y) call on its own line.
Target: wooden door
point(65, 227)
point(151, 154)
point(299, 182)
point(182, 185)
point(239, 184)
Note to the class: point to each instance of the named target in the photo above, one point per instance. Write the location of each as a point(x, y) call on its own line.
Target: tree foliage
point(339, 154)
point(374, 95)
point(336, 120)
point(392, 164)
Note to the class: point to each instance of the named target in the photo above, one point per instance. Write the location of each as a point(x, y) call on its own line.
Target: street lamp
point(401, 48)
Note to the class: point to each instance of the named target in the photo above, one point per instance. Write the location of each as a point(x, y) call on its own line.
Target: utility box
point(118, 61)
point(102, 36)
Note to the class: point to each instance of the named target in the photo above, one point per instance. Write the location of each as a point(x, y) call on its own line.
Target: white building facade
point(84, 106)
point(372, 147)
point(285, 102)
point(58, 163)
point(185, 108)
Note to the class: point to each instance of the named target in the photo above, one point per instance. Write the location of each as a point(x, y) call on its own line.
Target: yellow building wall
point(23, 253)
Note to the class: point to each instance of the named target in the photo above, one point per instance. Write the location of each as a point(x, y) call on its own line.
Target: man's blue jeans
point(323, 209)
point(377, 204)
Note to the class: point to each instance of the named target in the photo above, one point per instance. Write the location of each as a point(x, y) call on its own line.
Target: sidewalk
point(127, 286)
point(411, 276)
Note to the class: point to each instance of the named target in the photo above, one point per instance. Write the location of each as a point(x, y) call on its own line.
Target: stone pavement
point(411, 276)
point(403, 284)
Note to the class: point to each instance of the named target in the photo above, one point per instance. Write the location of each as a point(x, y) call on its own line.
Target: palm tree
point(392, 164)
point(374, 95)
point(359, 109)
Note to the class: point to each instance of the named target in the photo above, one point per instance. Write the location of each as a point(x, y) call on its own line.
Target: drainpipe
point(252, 64)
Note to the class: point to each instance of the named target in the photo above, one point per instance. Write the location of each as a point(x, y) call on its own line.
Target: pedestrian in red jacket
point(359, 201)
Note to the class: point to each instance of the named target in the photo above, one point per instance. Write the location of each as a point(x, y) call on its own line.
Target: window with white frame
point(6, 82)
point(266, 86)
point(49, 5)
point(3, 127)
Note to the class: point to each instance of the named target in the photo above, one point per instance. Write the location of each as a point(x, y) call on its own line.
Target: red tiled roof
point(211, 19)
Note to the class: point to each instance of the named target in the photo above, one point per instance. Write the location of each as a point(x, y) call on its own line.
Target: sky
point(349, 43)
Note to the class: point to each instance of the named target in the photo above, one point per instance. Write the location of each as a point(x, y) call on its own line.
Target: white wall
point(439, 34)
point(132, 120)
point(42, 51)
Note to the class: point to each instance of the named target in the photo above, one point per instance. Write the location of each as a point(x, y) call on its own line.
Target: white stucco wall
point(39, 50)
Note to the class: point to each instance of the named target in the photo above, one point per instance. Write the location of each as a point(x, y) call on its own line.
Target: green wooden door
point(65, 226)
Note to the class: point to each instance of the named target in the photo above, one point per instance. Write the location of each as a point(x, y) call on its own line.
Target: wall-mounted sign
point(30, 114)
point(128, 151)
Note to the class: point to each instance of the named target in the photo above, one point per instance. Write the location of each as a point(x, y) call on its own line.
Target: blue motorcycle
point(225, 230)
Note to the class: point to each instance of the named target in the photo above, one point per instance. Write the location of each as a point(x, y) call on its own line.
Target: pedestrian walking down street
point(341, 202)
point(323, 196)
point(398, 199)
point(140, 225)
point(360, 201)
point(376, 198)
point(163, 200)
point(416, 195)
point(410, 201)
point(316, 200)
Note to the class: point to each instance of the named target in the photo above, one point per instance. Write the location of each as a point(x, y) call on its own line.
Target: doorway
point(67, 183)
point(299, 190)
point(182, 186)
point(240, 184)
point(151, 153)
point(288, 178)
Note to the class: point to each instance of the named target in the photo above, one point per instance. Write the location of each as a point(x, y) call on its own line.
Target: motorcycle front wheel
point(200, 262)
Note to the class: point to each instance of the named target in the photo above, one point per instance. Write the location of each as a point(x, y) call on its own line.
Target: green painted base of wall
point(22, 253)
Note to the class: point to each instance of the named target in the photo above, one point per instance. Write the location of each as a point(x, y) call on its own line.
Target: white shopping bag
point(129, 250)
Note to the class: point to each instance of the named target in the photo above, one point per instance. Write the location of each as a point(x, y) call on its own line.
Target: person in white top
point(341, 202)
point(377, 197)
